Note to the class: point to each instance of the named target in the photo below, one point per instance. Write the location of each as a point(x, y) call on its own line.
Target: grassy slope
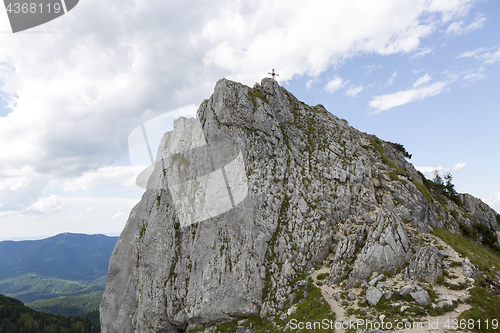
point(485, 296)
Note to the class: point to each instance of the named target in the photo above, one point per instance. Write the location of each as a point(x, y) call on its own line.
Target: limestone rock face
point(482, 213)
point(425, 265)
point(245, 199)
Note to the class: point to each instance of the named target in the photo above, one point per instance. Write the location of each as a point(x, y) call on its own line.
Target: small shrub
point(377, 144)
point(399, 147)
point(424, 190)
point(388, 273)
point(143, 230)
point(360, 312)
point(388, 162)
point(322, 276)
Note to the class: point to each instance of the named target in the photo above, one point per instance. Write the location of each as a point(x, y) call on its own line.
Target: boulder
point(407, 290)
point(468, 269)
point(444, 303)
point(373, 296)
point(376, 279)
point(421, 297)
point(425, 264)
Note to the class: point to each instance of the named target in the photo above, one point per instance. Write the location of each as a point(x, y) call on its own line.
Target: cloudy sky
point(424, 73)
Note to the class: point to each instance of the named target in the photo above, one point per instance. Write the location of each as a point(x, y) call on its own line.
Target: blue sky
point(421, 73)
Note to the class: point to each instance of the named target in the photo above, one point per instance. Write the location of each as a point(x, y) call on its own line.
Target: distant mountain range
point(77, 257)
point(63, 265)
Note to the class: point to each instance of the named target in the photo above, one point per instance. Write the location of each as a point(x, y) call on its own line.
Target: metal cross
point(273, 74)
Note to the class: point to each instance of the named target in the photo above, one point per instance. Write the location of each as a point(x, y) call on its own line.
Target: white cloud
point(474, 76)
point(335, 84)
point(493, 201)
point(391, 80)
point(354, 90)
point(458, 28)
point(430, 171)
point(451, 8)
point(371, 68)
point(13, 183)
point(388, 101)
point(350, 27)
point(45, 205)
point(422, 80)
point(81, 90)
point(424, 51)
point(485, 55)
point(120, 214)
point(77, 94)
point(109, 175)
point(72, 218)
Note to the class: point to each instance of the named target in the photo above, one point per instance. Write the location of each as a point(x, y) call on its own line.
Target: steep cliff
point(248, 197)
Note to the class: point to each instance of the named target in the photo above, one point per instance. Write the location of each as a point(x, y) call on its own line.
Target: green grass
point(377, 144)
point(479, 255)
point(423, 189)
point(394, 173)
point(485, 306)
point(254, 94)
point(313, 308)
point(388, 162)
point(485, 295)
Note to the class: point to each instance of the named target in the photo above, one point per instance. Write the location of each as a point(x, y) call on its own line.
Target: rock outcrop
point(245, 199)
point(425, 265)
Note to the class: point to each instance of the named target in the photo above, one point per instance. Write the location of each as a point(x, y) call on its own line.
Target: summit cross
point(273, 74)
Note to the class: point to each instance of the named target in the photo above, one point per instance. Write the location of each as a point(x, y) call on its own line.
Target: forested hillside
point(15, 318)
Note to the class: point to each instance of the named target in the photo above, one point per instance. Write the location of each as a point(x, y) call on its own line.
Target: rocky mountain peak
point(248, 197)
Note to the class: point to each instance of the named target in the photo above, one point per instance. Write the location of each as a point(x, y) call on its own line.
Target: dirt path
point(434, 324)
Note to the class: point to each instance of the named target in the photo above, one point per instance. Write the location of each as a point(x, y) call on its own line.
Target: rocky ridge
point(314, 189)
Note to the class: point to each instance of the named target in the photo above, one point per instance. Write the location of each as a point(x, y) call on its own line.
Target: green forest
point(15, 317)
